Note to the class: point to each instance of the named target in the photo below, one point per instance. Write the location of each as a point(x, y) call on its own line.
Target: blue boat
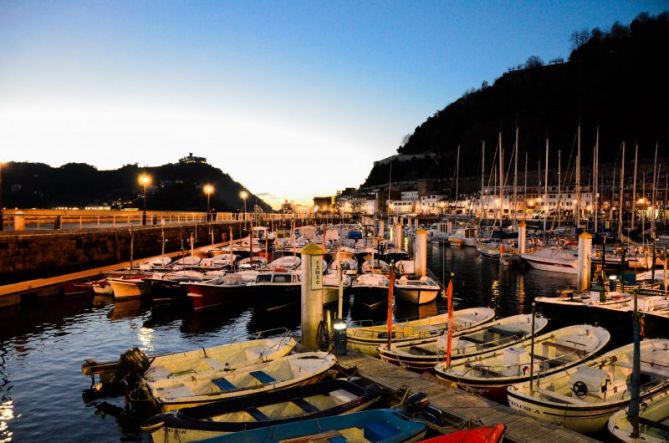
point(377, 426)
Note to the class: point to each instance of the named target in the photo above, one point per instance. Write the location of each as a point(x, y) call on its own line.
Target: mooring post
point(312, 296)
point(382, 228)
point(420, 253)
point(397, 235)
point(521, 237)
point(584, 261)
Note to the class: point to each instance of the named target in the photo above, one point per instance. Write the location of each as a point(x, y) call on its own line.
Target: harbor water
point(43, 344)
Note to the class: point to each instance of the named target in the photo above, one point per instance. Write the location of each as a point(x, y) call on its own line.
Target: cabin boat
point(438, 231)
point(327, 398)
point(368, 337)
point(424, 354)
point(492, 372)
point(220, 291)
point(583, 398)
point(417, 290)
point(553, 260)
point(463, 237)
point(275, 290)
point(187, 390)
point(331, 287)
point(370, 290)
point(373, 426)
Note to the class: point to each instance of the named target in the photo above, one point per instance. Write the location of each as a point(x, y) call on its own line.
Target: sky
point(292, 98)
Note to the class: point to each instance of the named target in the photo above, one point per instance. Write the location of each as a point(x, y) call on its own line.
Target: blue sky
point(292, 98)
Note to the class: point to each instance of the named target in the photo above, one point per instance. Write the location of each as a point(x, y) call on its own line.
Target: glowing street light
point(244, 195)
point(208, 190)
point(144, 180)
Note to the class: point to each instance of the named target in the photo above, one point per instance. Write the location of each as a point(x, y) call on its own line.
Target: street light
point(144, 180)
point(208, 190)
point(244, 195)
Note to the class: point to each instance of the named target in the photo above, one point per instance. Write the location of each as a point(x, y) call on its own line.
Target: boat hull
point(203, 296)
point(274, 297)
point(370, 297)
point(129, 288)
point(417, 296)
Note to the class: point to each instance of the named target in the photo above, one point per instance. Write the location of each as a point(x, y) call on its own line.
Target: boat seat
point(484, 370)
point(506, 332)
point(223, 384)
point(305, 405)
point(214, 364)
point(653, 424)
point(422, 351)
point(376, 431)
point(257, 414)
point(565, 348)
point(263, 377)
point(472, 340)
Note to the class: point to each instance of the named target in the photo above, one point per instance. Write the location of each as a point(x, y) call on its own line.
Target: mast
point(559, 193)
point(457, 177)
point(482, 175)
point(515, 176)
point(636, 160)
point(577, 210)
point(501, 179)
point(622, 192)
point(652, 220)
point(595, 179)
point(546, 188)
point(525, 188)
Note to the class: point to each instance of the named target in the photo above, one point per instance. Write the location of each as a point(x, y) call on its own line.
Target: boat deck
point(457, 403)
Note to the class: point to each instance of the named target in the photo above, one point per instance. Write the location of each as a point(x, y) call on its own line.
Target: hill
point(175, 186)
point(616, 80)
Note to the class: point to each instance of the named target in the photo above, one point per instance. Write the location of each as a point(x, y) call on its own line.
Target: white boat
point(583, 398)
point(463, 237)
point(217, 384)
point(286, 263)
point(553, 260)
point(367, 338)
point(416, 290)
point(370, 290)
point(492, 372)
point(331, 287)
point(653, 421)
point(377, 266)
point(424, 354)
point(248, 263)
point(438, 231)
point(229, 356)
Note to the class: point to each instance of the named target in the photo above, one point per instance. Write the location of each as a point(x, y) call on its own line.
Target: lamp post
point(208, 190)
point(244, 195)
point(144, 180)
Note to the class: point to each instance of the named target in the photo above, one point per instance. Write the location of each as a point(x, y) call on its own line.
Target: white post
point(312, 295)
point(521, 237)
point(19, 221)
point(397, 235)
point(415, 222)
point(420, 252)
point(382, 228)
point(584, 261)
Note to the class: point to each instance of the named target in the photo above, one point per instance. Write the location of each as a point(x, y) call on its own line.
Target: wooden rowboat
point(333, 397)
point(207, 386)
point(653, 421)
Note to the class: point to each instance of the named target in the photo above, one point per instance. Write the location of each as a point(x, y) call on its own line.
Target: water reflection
point(6, 414)
point(210, 320)
point(127, 309)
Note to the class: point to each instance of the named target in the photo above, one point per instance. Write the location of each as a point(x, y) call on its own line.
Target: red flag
point(449, 340)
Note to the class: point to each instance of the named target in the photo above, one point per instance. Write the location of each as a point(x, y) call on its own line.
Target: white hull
point(543, 264)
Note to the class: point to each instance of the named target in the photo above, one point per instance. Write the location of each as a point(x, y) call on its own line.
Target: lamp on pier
point(144, 180)
point(208, 190)
point(244, 195)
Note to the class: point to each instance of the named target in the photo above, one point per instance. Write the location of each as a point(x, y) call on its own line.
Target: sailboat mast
point(482, 175)
point(501, 179)
point(457, 177)
point(559, 193)
point(636, 160)
point(546, 187)
point(595, 180)
point(525, 189)
point(622, 192)
point(577, 210)
point(515, 176)
point(652, 220)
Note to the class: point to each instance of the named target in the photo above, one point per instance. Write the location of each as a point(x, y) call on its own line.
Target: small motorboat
point(367, 338)
point(370, 290)
point(332, 397)
point(653, 421)
point(583, 398)
point(220, 291)
point(128, 287)
point(187, 390)
point(274, 290)
point(424, 354)
point(553, 259)
point(416, 290)
point(490, 373)
point(484, 434)
point(374, 426)
point(285, 263)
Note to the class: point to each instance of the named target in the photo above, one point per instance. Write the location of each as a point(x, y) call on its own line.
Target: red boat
point(486, 434)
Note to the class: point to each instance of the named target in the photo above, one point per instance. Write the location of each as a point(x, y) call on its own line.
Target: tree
point(533, 61)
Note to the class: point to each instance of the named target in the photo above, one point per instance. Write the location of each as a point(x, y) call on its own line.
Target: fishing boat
point(219, 291)
point(483, 434)
point(166, 286)
point(276, 290)
point(376, 266)
point(373, 426)
point(424, 354)
point(553, 259)
point(189, 390)
point(583, 398)
point(492, 372)
point(463, 237)
point(438, 231)
point(653, 421)
point(416, 290)
point(229, 356)
point(252, 263)
point(327, 398)
point(102, 287)
point(331, 287)
point(367, 338)
point(127, 287)
point(370, 290)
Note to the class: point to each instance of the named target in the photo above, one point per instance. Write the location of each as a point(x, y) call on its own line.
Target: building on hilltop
point(190, 158)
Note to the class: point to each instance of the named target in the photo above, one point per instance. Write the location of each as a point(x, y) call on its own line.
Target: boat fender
point(580, 389)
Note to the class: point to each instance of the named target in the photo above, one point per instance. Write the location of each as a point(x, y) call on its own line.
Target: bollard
point(312, 296)
point(521, 237)
point(397, 236)
point(584, 261)
point(420, 252)
point(19, 221)
point(382, 228)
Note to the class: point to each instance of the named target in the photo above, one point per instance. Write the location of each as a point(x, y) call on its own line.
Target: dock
point(457, 403)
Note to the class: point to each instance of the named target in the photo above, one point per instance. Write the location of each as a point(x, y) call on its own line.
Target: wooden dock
point(458, 403)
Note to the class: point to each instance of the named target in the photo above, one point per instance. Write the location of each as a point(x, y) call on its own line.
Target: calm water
point(43, 345)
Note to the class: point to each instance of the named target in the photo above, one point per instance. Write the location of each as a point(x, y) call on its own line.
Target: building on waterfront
point(190, 158)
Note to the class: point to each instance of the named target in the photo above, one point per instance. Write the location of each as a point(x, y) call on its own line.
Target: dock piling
point(312, 296)
point(584, 261)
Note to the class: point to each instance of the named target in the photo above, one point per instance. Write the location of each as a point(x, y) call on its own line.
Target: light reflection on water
point(42, 346)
